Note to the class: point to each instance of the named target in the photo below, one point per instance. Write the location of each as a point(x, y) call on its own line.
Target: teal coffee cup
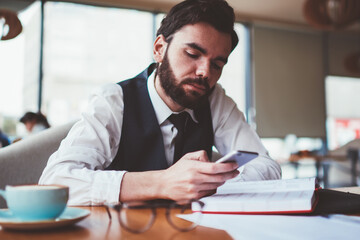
point(36, 202)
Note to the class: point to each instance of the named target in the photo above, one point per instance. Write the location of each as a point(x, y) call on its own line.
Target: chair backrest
point(343, 150)
point(23, 162)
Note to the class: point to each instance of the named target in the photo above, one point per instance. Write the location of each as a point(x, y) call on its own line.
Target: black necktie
point(179, 121)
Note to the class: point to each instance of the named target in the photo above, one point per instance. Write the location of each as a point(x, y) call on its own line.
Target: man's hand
point(193, 177)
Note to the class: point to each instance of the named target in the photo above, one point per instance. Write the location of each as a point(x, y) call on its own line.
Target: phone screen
point(241, 157)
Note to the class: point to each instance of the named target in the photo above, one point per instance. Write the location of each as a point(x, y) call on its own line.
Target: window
point(342, 106)
point(19, 71)
point(87, 46)
point(233, 76)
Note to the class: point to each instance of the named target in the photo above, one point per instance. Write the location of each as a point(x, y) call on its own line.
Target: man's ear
point(159, 49)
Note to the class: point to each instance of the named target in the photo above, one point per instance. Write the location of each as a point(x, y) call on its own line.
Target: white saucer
point(69, 216)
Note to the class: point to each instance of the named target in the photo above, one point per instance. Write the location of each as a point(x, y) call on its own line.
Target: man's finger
point(210, 186)
point(220, 177)
point(215, 168)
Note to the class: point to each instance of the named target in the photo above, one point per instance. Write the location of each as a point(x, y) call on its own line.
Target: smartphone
point(241, 157)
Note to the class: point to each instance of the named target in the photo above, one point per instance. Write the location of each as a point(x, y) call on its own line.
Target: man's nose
point(203, 69)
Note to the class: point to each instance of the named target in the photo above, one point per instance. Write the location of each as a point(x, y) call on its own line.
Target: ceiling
point(277, 12)
point(281, 11)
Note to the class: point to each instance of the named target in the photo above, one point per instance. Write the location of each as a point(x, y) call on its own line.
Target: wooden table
point(98, 226)
point(355, 190)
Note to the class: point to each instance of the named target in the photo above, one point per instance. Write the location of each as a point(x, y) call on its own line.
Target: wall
point(289, 69)
point(288, 83)
point(341, 45)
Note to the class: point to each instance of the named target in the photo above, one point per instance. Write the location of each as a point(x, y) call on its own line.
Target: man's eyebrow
point(197, 47)
point(203, 51)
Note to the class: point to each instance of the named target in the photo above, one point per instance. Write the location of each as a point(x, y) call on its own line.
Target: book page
point(300, 184)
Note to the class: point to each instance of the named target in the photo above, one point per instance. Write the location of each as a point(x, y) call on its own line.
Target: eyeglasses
point(139, 216)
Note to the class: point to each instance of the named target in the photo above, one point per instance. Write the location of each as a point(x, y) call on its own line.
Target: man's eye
point(192, 55)
point(215, 66)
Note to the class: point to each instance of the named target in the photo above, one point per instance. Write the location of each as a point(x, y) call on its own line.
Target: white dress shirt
point(93, 142)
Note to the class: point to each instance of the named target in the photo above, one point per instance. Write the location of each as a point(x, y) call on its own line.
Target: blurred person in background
point(34, 122)
point(4, 140)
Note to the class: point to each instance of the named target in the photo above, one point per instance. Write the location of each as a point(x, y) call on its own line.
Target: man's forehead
point(204, 35)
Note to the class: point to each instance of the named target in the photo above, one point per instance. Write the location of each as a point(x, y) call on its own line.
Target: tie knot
point(179, 120)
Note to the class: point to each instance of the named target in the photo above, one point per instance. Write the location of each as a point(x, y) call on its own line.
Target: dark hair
point(29, 116)
point(38, 117)
point(217, 13)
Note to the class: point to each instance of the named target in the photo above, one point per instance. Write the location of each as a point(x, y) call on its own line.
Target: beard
point(175, 90)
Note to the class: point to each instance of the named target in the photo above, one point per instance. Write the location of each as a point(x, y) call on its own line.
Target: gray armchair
point(23, 162)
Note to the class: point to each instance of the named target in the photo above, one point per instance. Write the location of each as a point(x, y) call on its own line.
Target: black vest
point(141, 144)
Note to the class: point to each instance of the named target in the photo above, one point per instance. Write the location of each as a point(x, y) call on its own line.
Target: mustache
point(199, 81)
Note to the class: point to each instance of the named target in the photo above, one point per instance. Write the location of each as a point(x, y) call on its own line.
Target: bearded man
point(151, 137)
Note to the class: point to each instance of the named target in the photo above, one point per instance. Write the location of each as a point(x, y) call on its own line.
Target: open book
point(263, 197)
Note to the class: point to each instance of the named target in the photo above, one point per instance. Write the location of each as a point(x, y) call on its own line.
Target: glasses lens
point(136, 217)
point(179, 211)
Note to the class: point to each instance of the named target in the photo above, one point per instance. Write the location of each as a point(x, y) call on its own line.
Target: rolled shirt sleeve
point(88, 149)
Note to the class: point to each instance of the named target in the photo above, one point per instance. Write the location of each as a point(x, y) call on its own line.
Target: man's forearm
point(141, 186)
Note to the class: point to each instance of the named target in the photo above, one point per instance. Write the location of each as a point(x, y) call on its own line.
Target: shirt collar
point(162, 111)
